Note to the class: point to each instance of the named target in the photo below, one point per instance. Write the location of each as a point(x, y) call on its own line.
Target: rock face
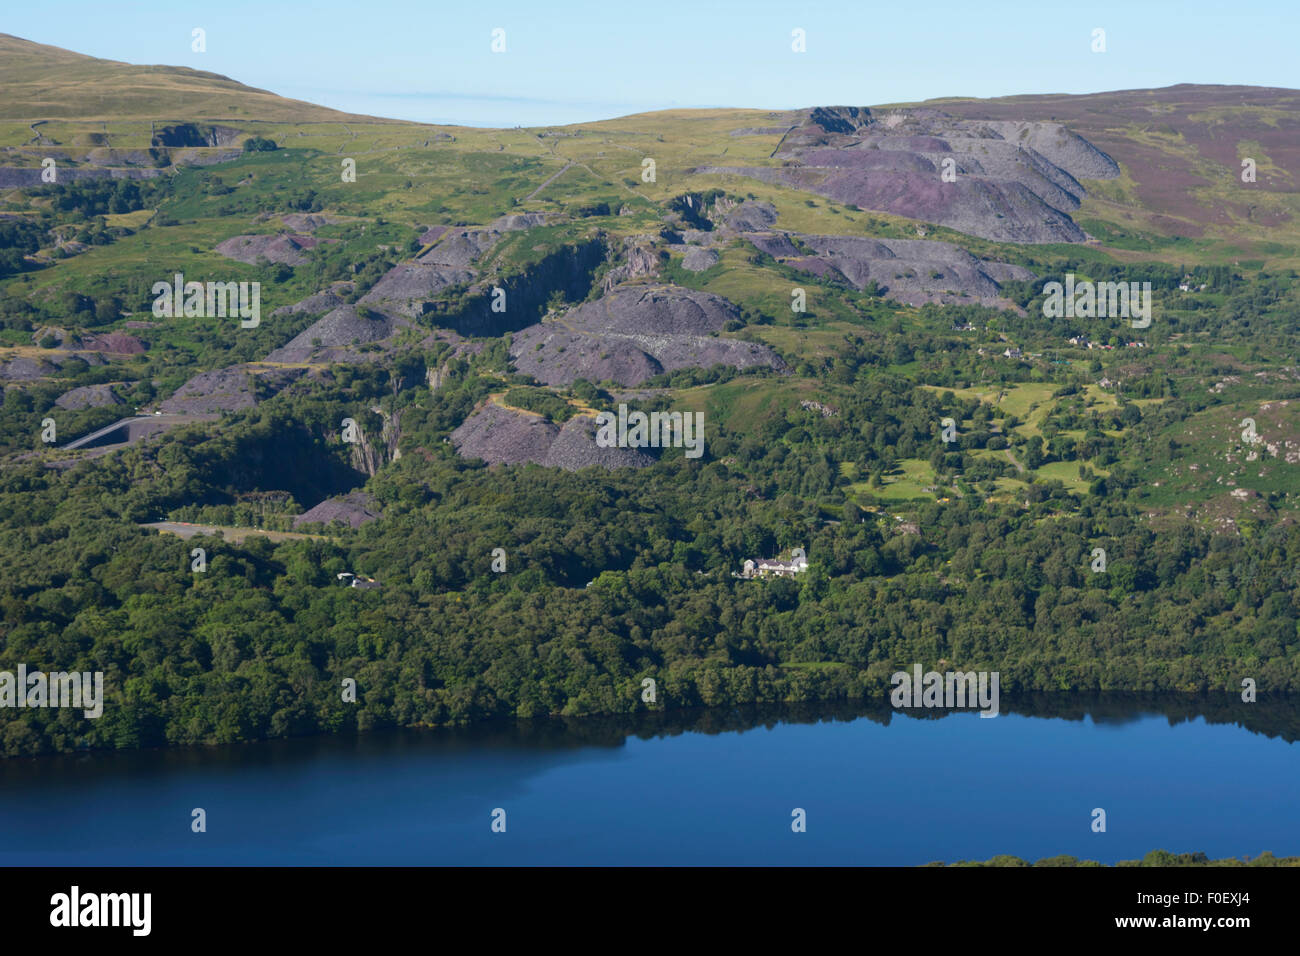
point(641, 262)
point(567, 269)
point(353, 509)
point(88, 396)
point(634, 333)
point(506, 436)
point(372, 452)
point(411, 290)
point(192, 134)
point(1015, 181)
point(751, 216)
point(417, 288)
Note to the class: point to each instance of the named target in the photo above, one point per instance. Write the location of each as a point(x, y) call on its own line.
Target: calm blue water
point(904, 793)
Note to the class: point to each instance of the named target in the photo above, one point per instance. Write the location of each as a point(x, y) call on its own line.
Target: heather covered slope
point(1181, 150)
point(1008, 181)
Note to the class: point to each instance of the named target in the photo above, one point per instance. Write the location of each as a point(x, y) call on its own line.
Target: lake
point(718, 787)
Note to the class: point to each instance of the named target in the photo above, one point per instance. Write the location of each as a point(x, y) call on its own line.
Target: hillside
point(102, 117)
point(407, 365)
point(1181, 150)
point(43, 82)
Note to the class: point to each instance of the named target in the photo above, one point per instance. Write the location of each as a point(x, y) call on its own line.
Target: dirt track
point(236, 535)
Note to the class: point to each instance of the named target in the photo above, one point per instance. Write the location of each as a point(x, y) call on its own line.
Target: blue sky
point(568, 62)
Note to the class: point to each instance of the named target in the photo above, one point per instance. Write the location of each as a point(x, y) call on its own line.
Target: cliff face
point(435, 377)
point(641, 262)
point(194, 134)
point(372, 452)
point(569, 270)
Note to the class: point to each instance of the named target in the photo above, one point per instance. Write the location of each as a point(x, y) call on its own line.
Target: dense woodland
point(259, 644)
point(615, 576)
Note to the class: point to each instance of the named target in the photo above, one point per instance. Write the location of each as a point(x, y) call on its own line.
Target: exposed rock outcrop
point(568, 270)
point(23, 369)
point(633, 333)
point(336, 337)
point(511, 437)
point(699, 259)
point(192, 134)
point(372, 452)
point(641, 261)
point(88, 396)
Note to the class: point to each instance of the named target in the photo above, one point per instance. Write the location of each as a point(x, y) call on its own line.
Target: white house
point(774, 568)
point(348, 579)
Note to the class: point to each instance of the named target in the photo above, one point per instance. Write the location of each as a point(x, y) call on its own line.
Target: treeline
point(1154, 858)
